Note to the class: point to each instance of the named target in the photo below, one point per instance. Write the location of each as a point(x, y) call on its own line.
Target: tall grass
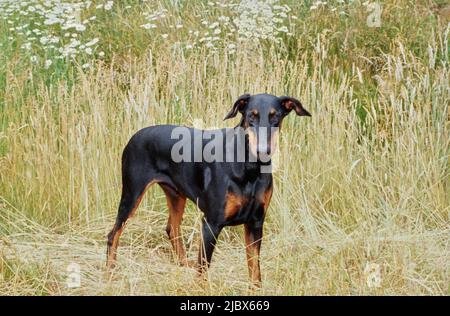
point(364, 181)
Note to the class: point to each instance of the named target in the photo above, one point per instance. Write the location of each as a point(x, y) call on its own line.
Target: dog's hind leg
point(135, 184)
point(176, 203)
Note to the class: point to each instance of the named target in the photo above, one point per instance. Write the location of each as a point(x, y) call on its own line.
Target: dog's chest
point(246, 204)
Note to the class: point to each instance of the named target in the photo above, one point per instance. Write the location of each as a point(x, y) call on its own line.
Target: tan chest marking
point(233, 204)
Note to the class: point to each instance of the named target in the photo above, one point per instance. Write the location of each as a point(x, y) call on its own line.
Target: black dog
point(227, 192)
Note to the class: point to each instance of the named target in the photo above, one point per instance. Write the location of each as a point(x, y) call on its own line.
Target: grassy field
point(361, 196)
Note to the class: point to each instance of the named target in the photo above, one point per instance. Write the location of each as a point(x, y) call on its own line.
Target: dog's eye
point(274, 118)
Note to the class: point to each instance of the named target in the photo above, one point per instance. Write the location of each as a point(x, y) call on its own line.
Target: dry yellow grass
point(346, 194)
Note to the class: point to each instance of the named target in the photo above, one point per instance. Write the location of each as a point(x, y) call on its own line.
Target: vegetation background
point(361, 198)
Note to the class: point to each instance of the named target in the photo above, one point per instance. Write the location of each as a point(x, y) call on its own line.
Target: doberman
point(227, 192)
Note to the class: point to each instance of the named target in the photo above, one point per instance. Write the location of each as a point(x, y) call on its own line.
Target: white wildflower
point(44, 40)
point(74, 43)
point(47, 64)
point(223, 19)
point(80, 27)
point(214, 25)
point(92, 42)
point(260, 19)
point(109, 5)
point(149, 26)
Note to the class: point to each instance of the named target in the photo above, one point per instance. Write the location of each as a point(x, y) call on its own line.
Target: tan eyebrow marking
point(254, 112)
point(272, 111)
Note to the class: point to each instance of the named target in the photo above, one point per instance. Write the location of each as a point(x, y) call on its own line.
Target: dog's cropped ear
point(290, 103)
point(238, 106)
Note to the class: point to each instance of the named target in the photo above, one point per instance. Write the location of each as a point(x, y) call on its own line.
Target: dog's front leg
point(253, 234)
point(210, 233)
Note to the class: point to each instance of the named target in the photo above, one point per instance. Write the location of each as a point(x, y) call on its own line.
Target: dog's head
point(262, 115)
